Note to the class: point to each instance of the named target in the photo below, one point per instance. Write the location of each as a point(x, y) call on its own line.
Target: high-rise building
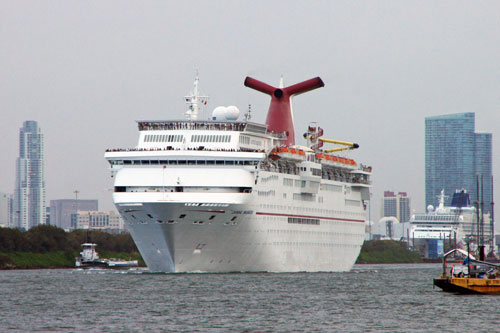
point(29, 194)
point(396, 205)
point(456, 157)
point(5, 210)
point(61, 210)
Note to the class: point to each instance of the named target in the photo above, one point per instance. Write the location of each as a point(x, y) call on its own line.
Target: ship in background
point(232, 195)
point(448, 227)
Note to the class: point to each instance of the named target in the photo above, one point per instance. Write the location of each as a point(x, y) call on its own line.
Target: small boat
point(470, 276)
point(90, 258)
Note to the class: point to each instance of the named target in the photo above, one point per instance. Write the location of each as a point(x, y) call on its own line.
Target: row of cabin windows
point(244, 139)
point(163, 138)
point(301, 220)
point(182, 162)
point(210, 138)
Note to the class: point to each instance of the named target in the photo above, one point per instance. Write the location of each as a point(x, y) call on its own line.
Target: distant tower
point(454, 155)
point(29, 194)
point(280, 116)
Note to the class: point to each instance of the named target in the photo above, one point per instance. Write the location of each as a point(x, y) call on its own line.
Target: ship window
point(182, 216)
point(229, 162)
point(127, 162)
point(172, 162)
point(191, 162)
point(144, 162)
point(212, 217)
point(201, 162)
point(234, 218)
point(210, 162)
point(153, 162)
point(219, 162)
point(181, 162)
point(149, 215)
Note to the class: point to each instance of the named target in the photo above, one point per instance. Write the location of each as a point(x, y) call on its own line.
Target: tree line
point(45, 238)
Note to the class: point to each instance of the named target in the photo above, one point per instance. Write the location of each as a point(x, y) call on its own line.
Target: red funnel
point(279, 117)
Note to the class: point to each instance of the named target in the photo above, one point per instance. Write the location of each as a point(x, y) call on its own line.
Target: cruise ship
point(232, 195)
point(448, 227)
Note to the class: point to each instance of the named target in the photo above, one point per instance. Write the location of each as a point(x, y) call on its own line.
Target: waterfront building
point(97, 220)
point(454, 156)
point(61, 210)
point(5, 210)
point(29, 193)
point(396, 205)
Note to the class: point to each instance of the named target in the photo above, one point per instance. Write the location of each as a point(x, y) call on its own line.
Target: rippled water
point(369, 298)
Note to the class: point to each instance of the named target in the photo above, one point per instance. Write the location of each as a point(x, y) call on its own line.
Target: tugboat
point(472, 276)
point(90, 258)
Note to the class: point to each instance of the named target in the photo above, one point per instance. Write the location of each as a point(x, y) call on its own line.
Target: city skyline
point(86, 75)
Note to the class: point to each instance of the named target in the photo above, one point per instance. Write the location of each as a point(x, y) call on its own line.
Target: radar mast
point(194, 100)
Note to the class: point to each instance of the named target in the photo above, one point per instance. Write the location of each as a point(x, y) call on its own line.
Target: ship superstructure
point(227, 195)
point(447, 227)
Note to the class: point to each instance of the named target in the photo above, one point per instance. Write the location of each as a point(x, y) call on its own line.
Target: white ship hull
point(245, 232)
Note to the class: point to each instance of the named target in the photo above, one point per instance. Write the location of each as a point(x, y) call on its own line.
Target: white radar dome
point(226, 113)
point(232, 113)
point(430, 208)
point(219, 113)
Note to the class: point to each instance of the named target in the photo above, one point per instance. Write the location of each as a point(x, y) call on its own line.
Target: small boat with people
point(468, 276)
point(90, 258)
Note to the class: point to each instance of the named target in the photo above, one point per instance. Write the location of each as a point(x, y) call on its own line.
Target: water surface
point(370, 298)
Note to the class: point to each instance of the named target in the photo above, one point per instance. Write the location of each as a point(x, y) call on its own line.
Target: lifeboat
point(320, 156)
point(291, 153)
point(274, 154)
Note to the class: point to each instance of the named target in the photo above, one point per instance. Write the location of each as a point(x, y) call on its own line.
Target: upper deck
point(207, 125)
point(205, 135)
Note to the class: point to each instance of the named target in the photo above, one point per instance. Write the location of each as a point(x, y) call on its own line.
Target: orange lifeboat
point(274, 154)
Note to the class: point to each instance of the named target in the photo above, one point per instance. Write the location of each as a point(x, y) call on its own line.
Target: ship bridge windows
point(210, 138)
point(163, 138)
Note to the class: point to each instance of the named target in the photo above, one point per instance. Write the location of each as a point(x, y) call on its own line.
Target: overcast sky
point(86, 70)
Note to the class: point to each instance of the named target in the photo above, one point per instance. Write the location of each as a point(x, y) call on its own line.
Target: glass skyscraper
point(29, 194)
point(454, 156)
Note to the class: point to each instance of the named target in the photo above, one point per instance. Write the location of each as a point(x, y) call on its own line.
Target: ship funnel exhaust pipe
point(279, 117)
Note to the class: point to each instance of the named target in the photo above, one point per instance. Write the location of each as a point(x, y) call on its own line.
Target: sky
point(87, 70)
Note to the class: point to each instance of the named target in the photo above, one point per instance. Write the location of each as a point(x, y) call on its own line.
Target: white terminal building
point(97, 220)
